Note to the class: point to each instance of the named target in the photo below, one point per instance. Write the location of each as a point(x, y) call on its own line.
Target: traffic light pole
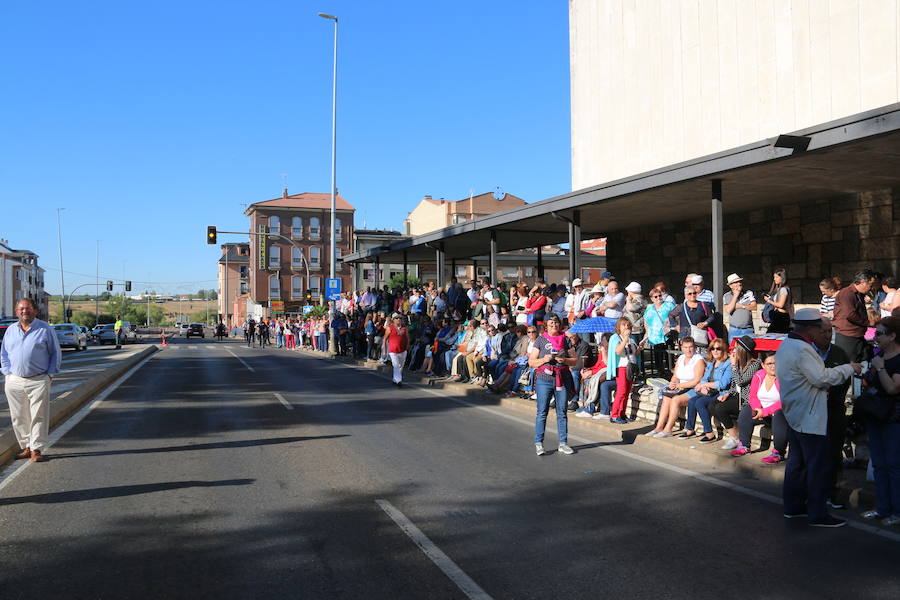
point(69, 302)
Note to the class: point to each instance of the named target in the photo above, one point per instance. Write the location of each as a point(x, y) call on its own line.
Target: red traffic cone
point(164, 343)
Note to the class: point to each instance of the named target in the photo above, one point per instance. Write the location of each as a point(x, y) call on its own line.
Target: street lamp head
point(326, 16)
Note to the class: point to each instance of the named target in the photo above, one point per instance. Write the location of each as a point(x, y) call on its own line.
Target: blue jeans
point(279, 340)
point(449, 355)
point(546, 389)
point(492, 368)
point(699, 405)
point(322, 342)
point(606, 391)
point(576, 377)
point(736, 332)
point(884, 448)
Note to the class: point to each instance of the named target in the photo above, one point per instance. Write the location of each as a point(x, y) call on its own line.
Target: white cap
point(697, 279)
point(598, 289)
point(734, 278)
point(634, 287)
point(577, 281)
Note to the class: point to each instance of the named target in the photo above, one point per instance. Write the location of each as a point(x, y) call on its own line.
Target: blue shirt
point(719, 375)
point(654, 321)
point(32, 352)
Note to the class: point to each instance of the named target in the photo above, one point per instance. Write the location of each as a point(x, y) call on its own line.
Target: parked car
point(106, 334)
point(70, 336)
point(4, 324)
point(183, 329)
point(195, 329)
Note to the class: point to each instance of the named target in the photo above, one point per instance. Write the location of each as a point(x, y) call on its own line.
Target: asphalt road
point(194, 479)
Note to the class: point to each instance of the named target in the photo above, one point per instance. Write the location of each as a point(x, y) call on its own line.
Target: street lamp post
point(331, 259)
point(62, 279)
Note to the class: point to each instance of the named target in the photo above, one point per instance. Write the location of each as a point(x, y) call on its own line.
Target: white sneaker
point(730, 443)
point(600, 416)
point(539, 449)
point(583, 415)
point(564, 449)
point(534, 396)
point(651, 433)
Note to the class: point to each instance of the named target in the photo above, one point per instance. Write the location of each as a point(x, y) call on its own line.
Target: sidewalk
point(855, 490)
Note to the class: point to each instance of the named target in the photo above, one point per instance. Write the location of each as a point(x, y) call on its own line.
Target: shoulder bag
point(701, 338)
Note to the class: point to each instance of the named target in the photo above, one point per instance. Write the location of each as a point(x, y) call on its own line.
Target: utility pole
point(97, 290)
point(62, 279)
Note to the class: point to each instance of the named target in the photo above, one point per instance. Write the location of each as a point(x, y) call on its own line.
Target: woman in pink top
point(763, 408)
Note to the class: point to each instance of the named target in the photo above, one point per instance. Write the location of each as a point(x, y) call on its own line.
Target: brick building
point(234, 267)
point(277, 267)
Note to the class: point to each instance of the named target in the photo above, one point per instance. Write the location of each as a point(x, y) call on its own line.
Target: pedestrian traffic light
point(127, 286)
point(109, 285)
point(211, 234)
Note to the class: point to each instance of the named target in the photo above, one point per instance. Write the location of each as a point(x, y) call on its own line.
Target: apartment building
point(20, 277)
point(278, 266)
point(234, 283)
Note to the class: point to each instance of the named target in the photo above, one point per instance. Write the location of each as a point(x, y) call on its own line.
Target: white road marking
point(14, 470)
point(443, 562)
point(249, 368)
point(281, 399)
point(63, 395)
point(192, 347)
point(650, 461)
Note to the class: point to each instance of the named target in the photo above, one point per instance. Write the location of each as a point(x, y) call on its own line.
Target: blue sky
point(148, 121)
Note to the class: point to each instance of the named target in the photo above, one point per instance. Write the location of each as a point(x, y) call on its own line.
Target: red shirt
point(398, 340)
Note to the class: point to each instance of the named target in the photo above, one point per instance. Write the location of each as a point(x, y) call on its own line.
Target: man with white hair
point(703, 295)
point(804, 381)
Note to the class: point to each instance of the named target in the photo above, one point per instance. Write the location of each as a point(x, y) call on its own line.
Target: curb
point(630, 435)
point(61, 410)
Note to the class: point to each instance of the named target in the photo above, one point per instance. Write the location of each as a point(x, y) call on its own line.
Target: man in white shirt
point(613, 302)
point(803, 382)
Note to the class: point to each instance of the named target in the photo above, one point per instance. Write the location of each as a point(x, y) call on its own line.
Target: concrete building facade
point(21, 277)
point(658, 82)
point(431, 215)
point(277, 267)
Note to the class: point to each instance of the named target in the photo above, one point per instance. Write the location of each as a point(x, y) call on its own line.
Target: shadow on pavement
point(210, 446)
point(116, 491)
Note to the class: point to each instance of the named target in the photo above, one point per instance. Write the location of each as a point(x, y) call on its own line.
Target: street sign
point(307, 309)
point(277, 306)
point(333, 289)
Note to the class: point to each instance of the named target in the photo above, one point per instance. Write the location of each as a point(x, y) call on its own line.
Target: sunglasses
point(691, 294)
point(532, 331)
point(656, 296)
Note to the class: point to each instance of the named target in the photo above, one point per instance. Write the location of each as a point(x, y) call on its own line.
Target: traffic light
point(308, 296)
point(210, 234)
point(109, 285)
point(127, 286)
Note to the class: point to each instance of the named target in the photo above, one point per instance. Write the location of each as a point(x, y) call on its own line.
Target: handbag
point(701, 338)
point(767, 311)
point(525, 377)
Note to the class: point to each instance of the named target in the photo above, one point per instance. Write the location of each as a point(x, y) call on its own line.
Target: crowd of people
point(517, 340)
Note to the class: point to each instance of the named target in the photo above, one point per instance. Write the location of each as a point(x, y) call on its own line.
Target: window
point(314, 285)
point(274, 257)
point(274, 287)
point(297, 228)
point(274, 225)
point(243, 287)
point(244, 271)
point(314, 256)
point(462, 271)
point(314, 232)
point(396, 274)
point(510, 272)
point(296, 259)
point(457, 219)
point(296, 287)
point(482, 272)
point(529, 271)
point(369, 274)
point(337, 254)
point(338, 229)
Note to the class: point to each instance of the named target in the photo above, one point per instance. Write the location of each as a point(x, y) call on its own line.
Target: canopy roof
point(854, 154)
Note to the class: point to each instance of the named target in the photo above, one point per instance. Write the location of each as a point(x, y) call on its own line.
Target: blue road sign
point(333, 289)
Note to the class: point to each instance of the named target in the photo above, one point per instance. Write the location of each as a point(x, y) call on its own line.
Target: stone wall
point(812, 240)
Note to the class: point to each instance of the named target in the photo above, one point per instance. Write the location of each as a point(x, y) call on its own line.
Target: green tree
point(83, 317)
point(212, 294)
point(119, 306)
point(397, 281)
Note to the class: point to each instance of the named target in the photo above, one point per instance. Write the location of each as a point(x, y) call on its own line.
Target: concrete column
point(717, 252)
point(405, 269)
point(575, 246)
point(452, 268)
point(540, 263)
point(493, 258)
point(439, 259)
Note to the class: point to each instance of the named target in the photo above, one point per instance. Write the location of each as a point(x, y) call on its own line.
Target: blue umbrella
point(594, 325)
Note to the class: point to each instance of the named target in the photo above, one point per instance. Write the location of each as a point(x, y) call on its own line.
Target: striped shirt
point(827, 305)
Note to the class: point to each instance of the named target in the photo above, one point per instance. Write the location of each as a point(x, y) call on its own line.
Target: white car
point(183, 328)
point(70, 336)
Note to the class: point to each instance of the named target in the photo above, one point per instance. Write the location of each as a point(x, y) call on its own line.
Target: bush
point(397, 282)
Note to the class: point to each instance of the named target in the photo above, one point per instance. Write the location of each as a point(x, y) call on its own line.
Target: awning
point(850, 155)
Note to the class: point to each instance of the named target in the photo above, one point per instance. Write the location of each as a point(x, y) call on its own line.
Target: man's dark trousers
point(807, 476)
